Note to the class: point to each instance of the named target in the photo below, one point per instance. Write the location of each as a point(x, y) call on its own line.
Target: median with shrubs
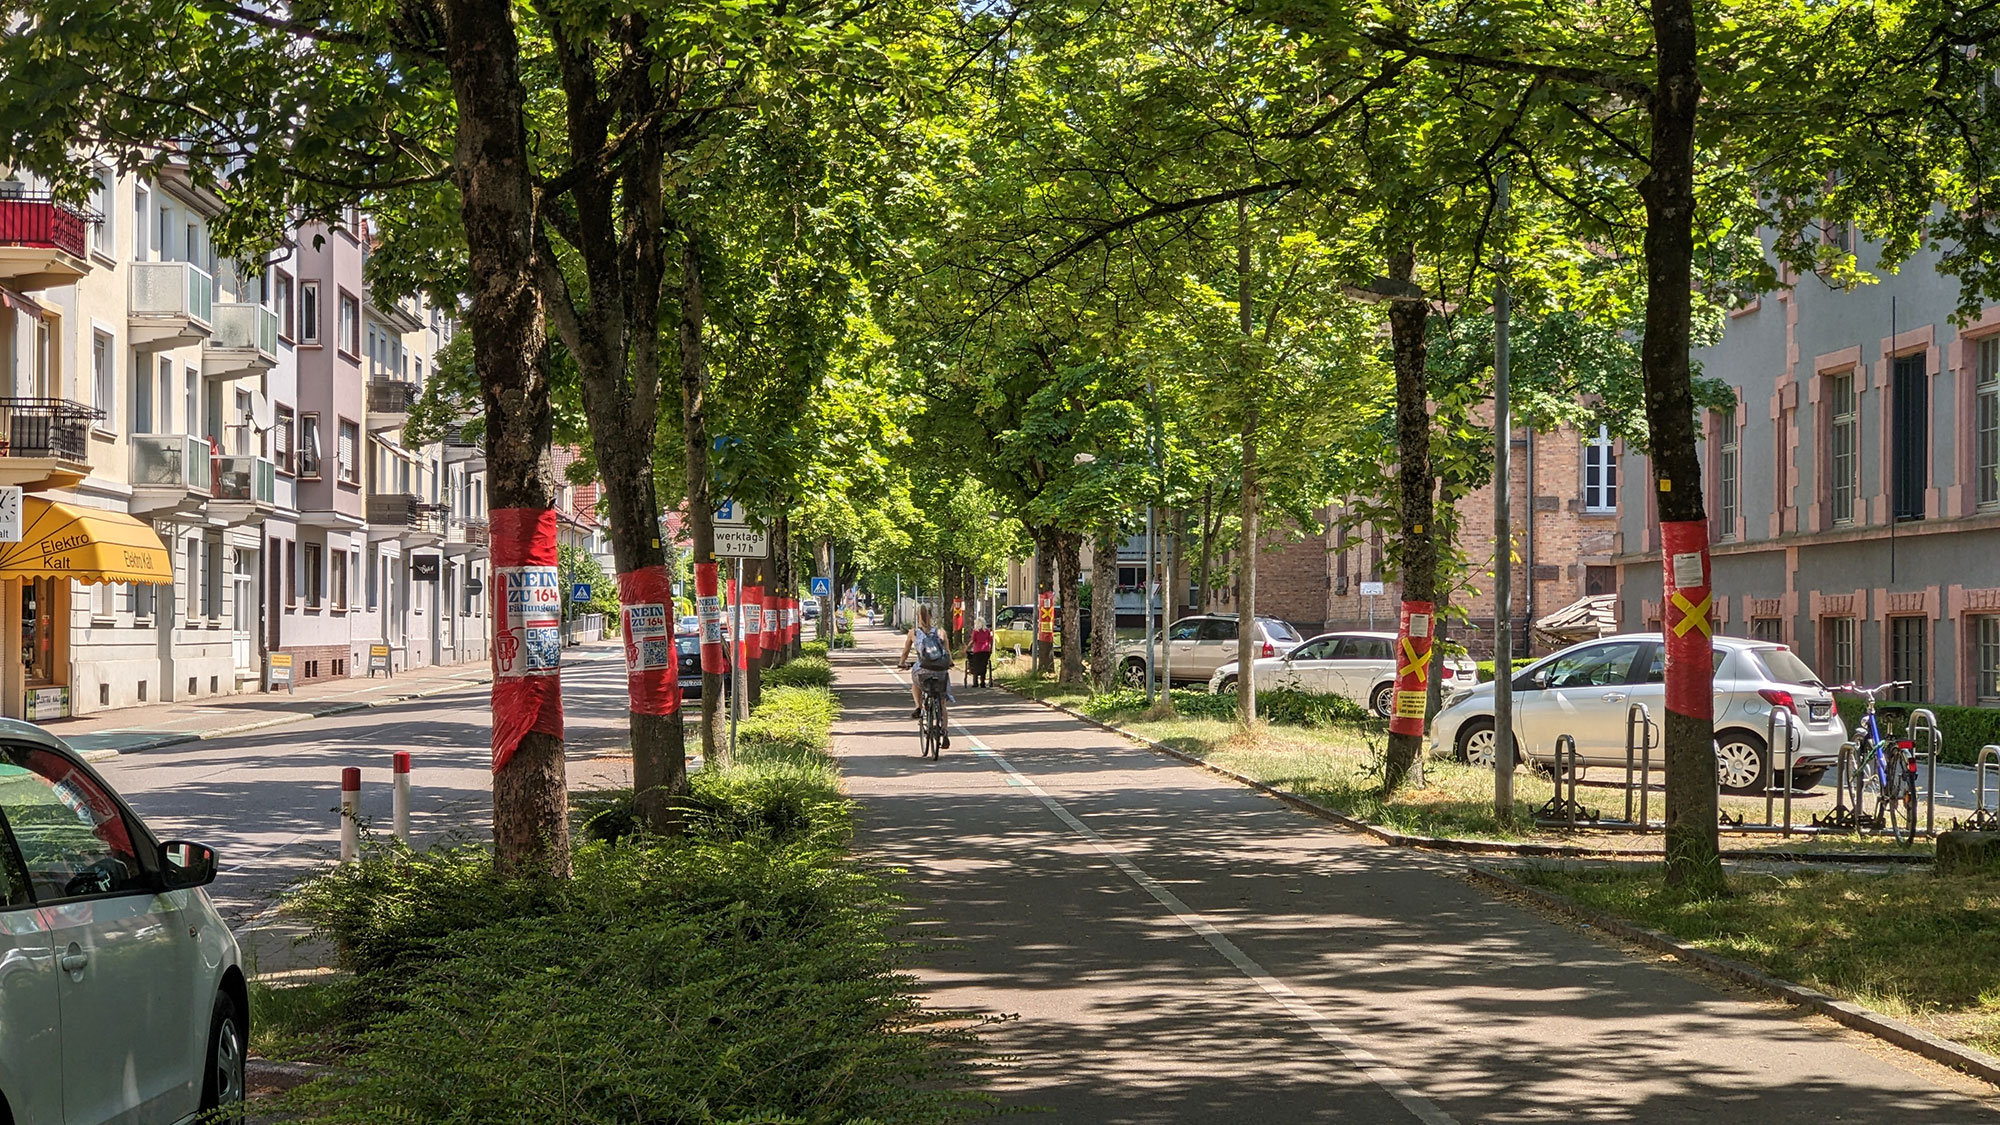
point(740, 971)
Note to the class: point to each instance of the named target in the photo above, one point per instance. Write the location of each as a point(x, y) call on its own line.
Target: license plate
point(1819, 711)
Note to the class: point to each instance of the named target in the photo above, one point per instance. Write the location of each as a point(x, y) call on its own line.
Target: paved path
point(1176, 948)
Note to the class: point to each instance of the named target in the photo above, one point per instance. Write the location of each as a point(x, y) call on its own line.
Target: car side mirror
point(184, 865)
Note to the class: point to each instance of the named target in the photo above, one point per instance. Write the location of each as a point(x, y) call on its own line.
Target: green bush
point(1286, 706)
point(844, 638)
point(1966, 729)
point(813, 648)
point(740, 972)
point(806, 671)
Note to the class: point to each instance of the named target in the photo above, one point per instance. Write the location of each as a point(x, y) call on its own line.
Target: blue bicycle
point(1882, 767)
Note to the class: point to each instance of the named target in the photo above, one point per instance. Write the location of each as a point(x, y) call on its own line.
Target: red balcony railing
point(38, 220)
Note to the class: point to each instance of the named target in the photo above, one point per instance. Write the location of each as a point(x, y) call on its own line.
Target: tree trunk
point(1045, 582)
point(1409, 322)
point(1246, 608)
point(1103, 605)
point(1204, 577)
point(1693, 852)
point(1069, 568)
point(1177, 580)
point(504, 314)
point(700, 506)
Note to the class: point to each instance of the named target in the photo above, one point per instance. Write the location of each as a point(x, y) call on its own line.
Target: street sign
point(424, 568)
point(579, 591)
point(822, 587)
point(1371, 589)
point(741, 543)
point(730, 513)
point(474, 587)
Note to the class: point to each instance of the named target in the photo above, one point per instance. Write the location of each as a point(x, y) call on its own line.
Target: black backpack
point(932, 654)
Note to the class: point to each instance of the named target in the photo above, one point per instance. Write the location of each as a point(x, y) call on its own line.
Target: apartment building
point(1854, 491)
point(190, 436)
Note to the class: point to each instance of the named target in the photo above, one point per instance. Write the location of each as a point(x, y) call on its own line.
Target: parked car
point(122, 993)
point(1015, 617)
point(1586, 690)
point(809, 609)
point(687, 655)
point(1360, 666)
point(688, 624)
point(1200, 645)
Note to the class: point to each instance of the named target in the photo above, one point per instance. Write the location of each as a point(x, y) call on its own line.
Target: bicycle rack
point(1794, 742)
point(1558, 809)
point(1924, 722)
point(1841, 818)
point(1983, 819)
point(1642, 737)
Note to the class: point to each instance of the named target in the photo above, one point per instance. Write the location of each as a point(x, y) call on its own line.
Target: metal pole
point(1503, 553)
point(399, 809)
point(1152, 660)
point(738, 673)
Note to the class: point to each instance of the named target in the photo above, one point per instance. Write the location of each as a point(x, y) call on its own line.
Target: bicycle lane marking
point(1373, 1068)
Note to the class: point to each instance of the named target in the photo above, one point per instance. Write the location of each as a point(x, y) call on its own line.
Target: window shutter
point(346, 453)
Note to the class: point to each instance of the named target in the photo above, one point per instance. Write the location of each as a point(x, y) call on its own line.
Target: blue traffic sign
point(579, 592)
point(822, 587)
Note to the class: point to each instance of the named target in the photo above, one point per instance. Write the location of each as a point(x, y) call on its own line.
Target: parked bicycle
point(1883, 767)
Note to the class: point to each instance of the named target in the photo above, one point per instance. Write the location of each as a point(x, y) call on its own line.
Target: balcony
point(462, 448)
point(389, 402)
point(244, 343)
point(245, 488)
point(400, 515)
point(46, 442)
point(466, 537)
point(170, 473)
point(42, 243)
point(172, 303)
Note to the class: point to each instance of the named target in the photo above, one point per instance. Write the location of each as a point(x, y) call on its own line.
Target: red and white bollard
point(399, 817)
point(350, 813)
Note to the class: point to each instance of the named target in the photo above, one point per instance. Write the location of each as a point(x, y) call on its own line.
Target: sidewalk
point(129, 730)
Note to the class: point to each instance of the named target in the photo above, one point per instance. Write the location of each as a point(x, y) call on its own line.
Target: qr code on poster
point(657, 653)
point(543, 651)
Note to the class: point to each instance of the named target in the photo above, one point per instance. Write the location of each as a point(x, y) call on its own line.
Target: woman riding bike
point(926, 639)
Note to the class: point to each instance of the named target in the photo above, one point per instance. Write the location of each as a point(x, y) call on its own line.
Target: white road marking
point(1382, 1074)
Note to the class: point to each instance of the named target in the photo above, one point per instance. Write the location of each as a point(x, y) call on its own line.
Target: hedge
point(1285, 706)
point(1966, 729)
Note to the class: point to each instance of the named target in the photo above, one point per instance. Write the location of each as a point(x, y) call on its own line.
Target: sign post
point(378, 661)
point(280, 672)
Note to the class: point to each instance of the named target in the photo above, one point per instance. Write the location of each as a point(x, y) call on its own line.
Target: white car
point(1360, 666)
point(1587, 690)
point(122, 995)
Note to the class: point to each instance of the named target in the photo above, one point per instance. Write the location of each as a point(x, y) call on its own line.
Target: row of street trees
point(928, 285)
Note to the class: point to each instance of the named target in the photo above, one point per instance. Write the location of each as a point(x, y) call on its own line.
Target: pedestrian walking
point(979, 654)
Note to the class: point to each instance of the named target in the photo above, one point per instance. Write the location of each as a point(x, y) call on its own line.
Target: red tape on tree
point(770, 639)
point(1413, 665)
point(753, 624)
point(708, 607)
point(527, 633)
point(651, 665)
point(1688, 618)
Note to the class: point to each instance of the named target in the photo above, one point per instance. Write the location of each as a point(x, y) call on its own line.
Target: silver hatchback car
point(122, 995)
point(1586, 691)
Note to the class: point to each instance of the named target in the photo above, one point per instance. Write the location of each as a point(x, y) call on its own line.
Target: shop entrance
point(44, 641)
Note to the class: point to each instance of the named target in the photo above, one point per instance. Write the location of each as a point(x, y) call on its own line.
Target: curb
point(346, 708)
point(1979, 1064)
point(1451, 843)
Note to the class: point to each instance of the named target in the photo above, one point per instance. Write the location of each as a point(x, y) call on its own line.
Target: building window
point(339, 583)
point(1768, 629)
point(1843, 446)
point(281, 438)
point(281, 303)
point(292, 573)
point(1986, 385)
point(309, 446)
point(312, 577)
point(144, 596)
point(211, 584)
point(1839, 663)
point(1907, 651)
point(309, 312)
point(1909, 437)
point(104, 367)
point(1986, 659)
point(374, 586)
point(101, 604)
point(103, 194)
point(193, 578)
point(350, 437)
point(1600, 473)
point(1725, 473)
point(350, 324)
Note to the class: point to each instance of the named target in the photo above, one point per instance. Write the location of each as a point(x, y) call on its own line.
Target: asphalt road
point(1170, 947)
point(266, 800)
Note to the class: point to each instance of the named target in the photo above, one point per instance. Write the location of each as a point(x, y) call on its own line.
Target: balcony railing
point(252, 480)
point(245, 326)
point(46, 427)
point(469, 532)
point(171, 461)
point(391, 396)
point(401, 509)
point(36, 219)
point(173, 289)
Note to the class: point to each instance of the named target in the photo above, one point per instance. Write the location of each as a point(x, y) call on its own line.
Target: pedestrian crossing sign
point(822, 586)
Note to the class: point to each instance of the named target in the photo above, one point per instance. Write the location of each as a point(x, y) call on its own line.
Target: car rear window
point(1784, 666)
point(1277, 630)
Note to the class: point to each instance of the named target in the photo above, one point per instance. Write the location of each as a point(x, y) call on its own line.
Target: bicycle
point(1886, 767)
point(930, 719)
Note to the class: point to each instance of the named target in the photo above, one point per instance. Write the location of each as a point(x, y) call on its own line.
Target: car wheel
point(1225, 684)
point(1132, 673)
point(1475, 743)
point(1740, 762)
point(222, 1080)
point(1384, 700)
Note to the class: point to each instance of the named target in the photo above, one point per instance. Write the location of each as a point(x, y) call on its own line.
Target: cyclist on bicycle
point(933, 664)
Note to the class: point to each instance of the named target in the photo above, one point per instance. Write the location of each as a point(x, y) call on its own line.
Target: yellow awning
point(87, 544)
